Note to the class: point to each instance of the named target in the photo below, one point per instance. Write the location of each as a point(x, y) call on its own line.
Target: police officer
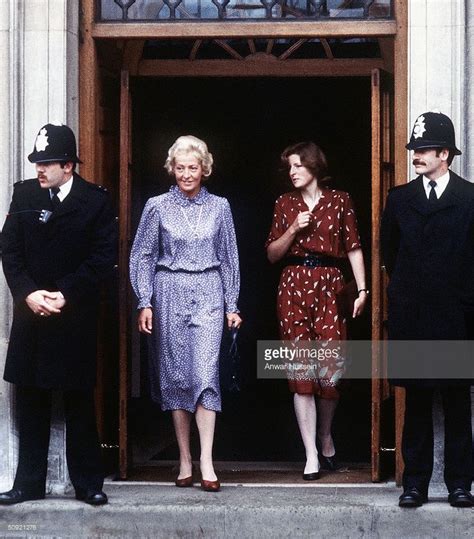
point(59, 243)
point(427, 241)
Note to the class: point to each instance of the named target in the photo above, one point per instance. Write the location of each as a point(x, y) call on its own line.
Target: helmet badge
point(41, 141)
point(419, 127)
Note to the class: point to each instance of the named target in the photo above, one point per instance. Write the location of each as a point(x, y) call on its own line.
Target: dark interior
point(246, 123)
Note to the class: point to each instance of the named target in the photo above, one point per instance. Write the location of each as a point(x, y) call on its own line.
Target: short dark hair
point(452, 154)
point(311, 156)
point(62, 163)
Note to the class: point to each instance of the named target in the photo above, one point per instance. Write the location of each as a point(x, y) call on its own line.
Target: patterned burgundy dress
point(306, 305)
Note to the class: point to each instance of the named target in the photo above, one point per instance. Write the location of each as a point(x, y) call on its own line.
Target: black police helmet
point(433, 130)
point(54, 142)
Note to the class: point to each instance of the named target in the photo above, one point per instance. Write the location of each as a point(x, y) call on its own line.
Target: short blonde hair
point(193, 145)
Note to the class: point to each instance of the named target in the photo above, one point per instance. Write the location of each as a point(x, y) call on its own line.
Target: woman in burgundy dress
point(314, 229)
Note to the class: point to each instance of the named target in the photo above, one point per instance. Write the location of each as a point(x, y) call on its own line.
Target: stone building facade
point(39, 62)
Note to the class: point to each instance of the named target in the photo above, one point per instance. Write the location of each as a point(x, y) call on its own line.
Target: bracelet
point(366, 290)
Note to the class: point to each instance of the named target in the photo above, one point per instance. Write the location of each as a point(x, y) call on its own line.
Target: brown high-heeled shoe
point(210, 486)
point(185, 482)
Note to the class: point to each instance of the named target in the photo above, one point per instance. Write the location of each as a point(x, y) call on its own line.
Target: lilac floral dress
point(184, 265)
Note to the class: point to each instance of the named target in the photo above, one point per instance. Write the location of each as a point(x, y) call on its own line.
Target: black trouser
point(82, 443)
point(417, 443)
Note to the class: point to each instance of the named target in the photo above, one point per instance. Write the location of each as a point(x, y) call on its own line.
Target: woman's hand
point(145, 320)
point(302, 221)
point(359, 304)
point(233, 319)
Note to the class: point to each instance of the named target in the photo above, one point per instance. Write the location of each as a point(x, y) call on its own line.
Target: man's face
point(51, 174)
point(429, 164)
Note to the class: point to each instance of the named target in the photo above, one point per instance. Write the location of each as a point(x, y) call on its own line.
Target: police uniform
point(71, 249)
point(428, 250)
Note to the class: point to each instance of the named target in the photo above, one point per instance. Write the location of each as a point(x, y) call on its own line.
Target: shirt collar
point(184, 200)
point(441, 184)
point(64, 189)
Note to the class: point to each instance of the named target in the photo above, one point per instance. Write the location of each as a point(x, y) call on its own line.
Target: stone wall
point(39, 55)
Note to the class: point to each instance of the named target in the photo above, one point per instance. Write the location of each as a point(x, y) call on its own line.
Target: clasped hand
point(44, 303)
point(302, 221)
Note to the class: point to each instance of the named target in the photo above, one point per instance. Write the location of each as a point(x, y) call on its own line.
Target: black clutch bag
point(229, 362)
point(345, 298)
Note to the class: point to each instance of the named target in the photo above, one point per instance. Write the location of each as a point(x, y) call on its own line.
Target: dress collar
point(183, 200)
point(298, 197)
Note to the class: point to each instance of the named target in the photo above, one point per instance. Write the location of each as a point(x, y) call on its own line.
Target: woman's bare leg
point(305, 409)
point(206, 421)
point(326, 409)
point(182, 428)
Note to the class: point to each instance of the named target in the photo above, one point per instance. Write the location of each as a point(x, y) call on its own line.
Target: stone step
point(147, 510)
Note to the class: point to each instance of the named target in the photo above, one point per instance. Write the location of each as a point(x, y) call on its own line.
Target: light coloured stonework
point(39, 60)
point(39, 54)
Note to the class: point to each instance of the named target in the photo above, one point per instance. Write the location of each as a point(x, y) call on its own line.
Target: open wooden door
point(383, 421)
point(124, 249)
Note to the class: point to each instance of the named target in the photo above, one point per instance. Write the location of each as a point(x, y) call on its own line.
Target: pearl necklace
point(192, 228)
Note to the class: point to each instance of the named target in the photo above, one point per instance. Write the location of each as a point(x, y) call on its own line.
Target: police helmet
point(433, 130)
point(54, 142)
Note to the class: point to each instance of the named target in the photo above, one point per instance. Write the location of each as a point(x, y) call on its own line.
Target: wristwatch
point(366, 290)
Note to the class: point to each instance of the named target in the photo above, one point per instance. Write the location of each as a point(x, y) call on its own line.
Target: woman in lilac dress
point(184, 269)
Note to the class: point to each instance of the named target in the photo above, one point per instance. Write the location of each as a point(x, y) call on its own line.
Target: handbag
point(345, 298)
point(229, 362)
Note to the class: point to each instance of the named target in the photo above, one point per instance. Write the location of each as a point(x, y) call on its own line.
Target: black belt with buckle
point(313, 261)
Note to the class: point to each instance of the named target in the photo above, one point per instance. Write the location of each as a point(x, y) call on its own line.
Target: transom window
point(169, 10)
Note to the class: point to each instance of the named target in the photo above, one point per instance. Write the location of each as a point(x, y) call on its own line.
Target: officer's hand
point(36, 301)
point(58, 302)
point(145, 320)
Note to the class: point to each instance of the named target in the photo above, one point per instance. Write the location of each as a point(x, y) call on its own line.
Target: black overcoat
point(428, 251)
point(73, 252)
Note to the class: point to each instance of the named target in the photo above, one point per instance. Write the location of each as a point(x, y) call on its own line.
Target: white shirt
point(64, 190)
point(441, 184)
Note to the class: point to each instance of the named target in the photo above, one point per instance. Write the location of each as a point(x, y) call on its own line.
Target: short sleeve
point(279, 223)
point(349, 231)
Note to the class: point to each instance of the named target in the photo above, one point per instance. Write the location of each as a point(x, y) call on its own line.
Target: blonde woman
point(184, 270)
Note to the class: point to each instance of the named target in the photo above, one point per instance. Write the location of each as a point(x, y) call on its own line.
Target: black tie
point(55, 199)
point(432, 196)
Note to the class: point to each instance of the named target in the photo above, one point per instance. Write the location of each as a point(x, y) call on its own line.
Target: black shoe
point(460, 497)
point(313, 476)
point(16, 495)
point(412, 497)
point(92, 497)
point(328, 463)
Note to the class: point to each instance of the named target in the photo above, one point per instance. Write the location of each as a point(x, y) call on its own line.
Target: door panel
point(382, 180)
point(124, 288)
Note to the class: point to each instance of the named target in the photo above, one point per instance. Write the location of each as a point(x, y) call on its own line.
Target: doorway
point(247, 123)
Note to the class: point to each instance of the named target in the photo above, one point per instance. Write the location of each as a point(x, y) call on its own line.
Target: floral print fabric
point(306, 304)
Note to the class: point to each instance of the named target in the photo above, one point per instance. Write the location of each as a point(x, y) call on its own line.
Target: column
point(440, 77)
point(39, 52)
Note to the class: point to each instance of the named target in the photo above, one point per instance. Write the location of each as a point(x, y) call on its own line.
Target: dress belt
point(313, 261)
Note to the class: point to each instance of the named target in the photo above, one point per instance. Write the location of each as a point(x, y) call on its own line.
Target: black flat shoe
point(412, 497)
point(313, 476)
point(328, 463)
point(460, 497)
point(92, 497)
point(16, 495)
